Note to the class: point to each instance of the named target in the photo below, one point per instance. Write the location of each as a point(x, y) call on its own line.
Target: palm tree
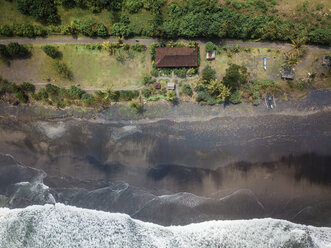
point(108, 92)
point(219, 89)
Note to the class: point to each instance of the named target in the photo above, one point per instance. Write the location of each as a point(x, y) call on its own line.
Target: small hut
point(171, 86)
point(211, 55)
point(288, 74)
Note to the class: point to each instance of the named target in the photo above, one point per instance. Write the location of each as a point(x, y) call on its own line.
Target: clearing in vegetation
point(90, 67)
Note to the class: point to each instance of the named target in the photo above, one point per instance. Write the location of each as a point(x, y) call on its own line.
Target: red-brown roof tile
point(176, 57)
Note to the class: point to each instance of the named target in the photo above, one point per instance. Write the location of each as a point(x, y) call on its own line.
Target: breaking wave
point(65, 226)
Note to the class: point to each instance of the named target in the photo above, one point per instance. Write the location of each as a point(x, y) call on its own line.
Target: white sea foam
point(119, 133)
point(52, 130)
point(66, 226)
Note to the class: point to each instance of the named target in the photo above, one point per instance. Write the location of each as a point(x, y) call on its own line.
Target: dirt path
point(96, 89)
point(87, 40)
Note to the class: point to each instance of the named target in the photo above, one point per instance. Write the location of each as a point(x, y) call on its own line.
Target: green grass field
point(90, 68)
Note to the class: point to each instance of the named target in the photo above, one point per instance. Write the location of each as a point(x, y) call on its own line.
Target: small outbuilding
point(326, 60)
point(171, 86)
point(288, 74)
point(211, 55)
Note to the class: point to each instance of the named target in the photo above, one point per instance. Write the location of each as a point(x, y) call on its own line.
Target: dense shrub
point(22, 97)
point(5, 30)
point(128, 95)
point(133, 6)
point(63, 70)
point(180, 72)
point(320, 36)
point(210, 46)
point(235, 76)
point(155, 72)
point(208, 73)
point(24, 30)
point(3, 51)
point(87, 99)
point(138, 47)
point(115, 96)
point(147, 92)
point(43, 10)
point(186, 89)
point(41, 95)
point(16, 50)
point(171, 96)
point(149, 80)
point(121, 30)
point(28, 87)
point(52, 51)
point(205, 97)
point(235, 97)
point(75, 92)
point(137, 107)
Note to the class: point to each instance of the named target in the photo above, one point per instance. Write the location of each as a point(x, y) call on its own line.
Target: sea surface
point(242, 178)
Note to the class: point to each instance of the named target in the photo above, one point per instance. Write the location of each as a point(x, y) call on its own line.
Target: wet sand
point(186, 164)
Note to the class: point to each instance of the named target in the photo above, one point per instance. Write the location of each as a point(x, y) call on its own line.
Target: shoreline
point(314, 102)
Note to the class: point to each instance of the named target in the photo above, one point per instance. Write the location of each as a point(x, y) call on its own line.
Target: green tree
point(16, 50)
point(210, 46)
point(208, 73)
point(218, 90)
point(235, 76)
point(52, 51)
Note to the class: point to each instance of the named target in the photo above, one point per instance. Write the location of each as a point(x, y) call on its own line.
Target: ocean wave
point(65, 226)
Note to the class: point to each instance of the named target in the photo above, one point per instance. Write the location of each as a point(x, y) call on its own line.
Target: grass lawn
point(253, 60)
point(68, 15)
point(10, 14)
point(90, 68)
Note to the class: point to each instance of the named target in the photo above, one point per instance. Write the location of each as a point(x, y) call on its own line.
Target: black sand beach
point(175, 164)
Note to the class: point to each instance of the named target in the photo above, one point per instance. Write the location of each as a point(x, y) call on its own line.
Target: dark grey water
point(272, 165)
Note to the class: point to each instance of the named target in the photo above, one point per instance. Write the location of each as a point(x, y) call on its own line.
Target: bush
point(102, 31)
point(5, 30)
point(137, 107)
point(235, 76)
point(115, 96)
point(121, 30)
point(180, 72)
point(133, 6)
point(3, 51)
point(128, 95)
point(27, 87)
point(75, 92)
point(41, 95)
point(43, 10)
point(52, 51)
point(210, 46)
point(186, 89)
point(235, 97)
point(138, 47)
point(206, 98)
point(16, 50)
point(87, 99)
point(147, 92)
point(20, 96)
point(208, 73)
point(155, 72)
point(171, 96)
point(63, 70)
point(149, 80)
point(191, 72)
